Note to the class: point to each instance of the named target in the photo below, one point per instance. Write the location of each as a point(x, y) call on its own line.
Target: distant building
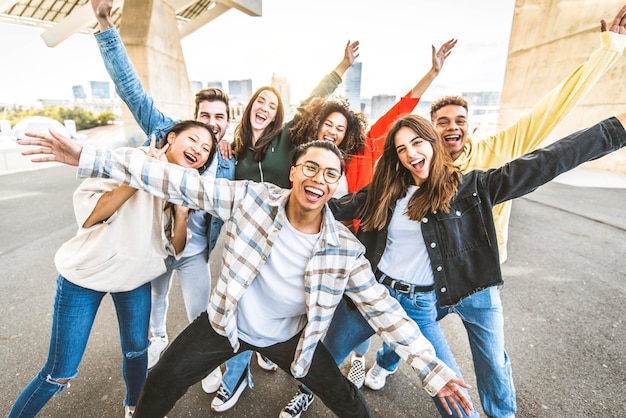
point(100, 90)
point(195, 86)
point(78, 92)
point(381, 103)
point(352, 82)
point(284, 89)
point(216, 84)
point(484, 107)
point(240, 90)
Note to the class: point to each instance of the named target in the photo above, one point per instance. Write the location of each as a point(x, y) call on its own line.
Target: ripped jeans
point(75, 309)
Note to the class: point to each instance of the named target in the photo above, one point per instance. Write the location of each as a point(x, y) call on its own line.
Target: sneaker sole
point(262, 364)
point(233, 399)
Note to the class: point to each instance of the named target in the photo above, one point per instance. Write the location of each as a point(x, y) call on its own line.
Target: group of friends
point(332, 232)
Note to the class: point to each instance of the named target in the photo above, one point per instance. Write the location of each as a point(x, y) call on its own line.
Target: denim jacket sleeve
point(128, 85)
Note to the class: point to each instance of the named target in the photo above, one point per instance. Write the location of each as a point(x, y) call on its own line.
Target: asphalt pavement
point(563, 307)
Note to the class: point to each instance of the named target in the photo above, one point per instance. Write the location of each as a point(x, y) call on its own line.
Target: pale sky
point(300, 40)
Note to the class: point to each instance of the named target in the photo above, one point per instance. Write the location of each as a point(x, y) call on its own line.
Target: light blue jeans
point(482, 317)
point(348, 329)
point(235, 367)
point(195, 284)
point(75, 309)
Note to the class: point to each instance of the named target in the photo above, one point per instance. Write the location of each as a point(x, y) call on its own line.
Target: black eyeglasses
point(310, 169)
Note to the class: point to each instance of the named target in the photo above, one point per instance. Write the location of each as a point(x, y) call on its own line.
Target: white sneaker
point(212, 382)
point(376, 377)
point(157, 345)
point(128, 413)
point(357, 371)
point(224, 400)
point(265, 363)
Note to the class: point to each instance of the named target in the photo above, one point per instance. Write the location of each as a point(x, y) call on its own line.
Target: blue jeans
point(75, 308)
point(348, 329)
point(195, 284)
point(235, 367)
point(481, 314)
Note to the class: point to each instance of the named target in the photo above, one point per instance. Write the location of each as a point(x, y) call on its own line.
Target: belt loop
point(393, 283)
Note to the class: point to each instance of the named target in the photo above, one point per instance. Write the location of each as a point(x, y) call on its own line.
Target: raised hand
point(155, 152)
point(619, 22)
point(225, 149)
point(451, 394)
point(55, 148)
point(439, 57)
point(102, 10)
point(350, 54)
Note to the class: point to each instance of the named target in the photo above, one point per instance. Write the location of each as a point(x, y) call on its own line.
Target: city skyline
point(298, 42)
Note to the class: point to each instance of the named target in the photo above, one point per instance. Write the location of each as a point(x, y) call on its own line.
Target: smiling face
point(333, 129)
point(264, 109)
point(414, 153)
point(451, 123)
point(189, 148)
point(215, 114)
point(311, 193)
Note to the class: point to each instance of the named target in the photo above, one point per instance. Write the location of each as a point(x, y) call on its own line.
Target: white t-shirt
point(273, 308)
point(405, 257)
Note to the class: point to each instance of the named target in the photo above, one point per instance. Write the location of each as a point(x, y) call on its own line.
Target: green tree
point(84, 119)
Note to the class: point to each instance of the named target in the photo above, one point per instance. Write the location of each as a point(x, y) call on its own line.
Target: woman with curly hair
point(332, 120)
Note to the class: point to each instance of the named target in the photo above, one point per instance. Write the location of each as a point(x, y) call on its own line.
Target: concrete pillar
point(149, 31)
point(549, 38)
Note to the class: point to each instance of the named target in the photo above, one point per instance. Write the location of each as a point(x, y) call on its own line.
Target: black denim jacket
point(462, 244)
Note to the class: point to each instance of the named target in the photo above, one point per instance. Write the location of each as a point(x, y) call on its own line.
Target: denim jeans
point(75, 309)
point(195, 284)
point(199, 349)
point(235, 367)
point(348, 329)
point(482, 317)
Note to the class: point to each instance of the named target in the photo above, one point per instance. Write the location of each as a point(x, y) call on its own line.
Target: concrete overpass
point(151, 31)
point(548, 39)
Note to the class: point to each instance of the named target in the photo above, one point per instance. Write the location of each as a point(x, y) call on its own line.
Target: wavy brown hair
point(315, 113)
point(242, 139)
point(391, 180)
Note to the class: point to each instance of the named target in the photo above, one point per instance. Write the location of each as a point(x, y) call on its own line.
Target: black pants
point(198, 350)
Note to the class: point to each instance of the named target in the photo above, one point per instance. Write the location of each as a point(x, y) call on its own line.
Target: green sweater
point(275, 165)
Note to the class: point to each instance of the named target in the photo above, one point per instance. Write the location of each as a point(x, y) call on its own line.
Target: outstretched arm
point(438, 58)
point(55, 148)
point(349, 56)
point(127, 83)
point(534, 128)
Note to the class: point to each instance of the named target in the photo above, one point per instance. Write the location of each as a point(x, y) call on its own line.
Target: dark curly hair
point(313, 116)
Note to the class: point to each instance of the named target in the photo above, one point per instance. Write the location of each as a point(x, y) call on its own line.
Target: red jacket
point(360, 169)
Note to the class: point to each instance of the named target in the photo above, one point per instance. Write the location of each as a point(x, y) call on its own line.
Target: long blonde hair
point(391, 180)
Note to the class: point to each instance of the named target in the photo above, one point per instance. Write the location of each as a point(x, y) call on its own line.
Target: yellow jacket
point(532, 129)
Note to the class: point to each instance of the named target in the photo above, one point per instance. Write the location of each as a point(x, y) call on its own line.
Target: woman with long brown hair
point(430, 237)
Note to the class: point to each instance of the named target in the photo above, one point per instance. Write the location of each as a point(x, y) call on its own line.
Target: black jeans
point(198, 350)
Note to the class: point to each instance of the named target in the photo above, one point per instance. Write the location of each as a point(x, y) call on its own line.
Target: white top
point(405, 257)
point(280, 285)
point(342, 187)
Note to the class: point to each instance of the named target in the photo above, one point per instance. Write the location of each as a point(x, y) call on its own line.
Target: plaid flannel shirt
point(254, 213)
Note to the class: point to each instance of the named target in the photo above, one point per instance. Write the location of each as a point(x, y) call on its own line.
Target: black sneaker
point(224, 400)
point(298, 404)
